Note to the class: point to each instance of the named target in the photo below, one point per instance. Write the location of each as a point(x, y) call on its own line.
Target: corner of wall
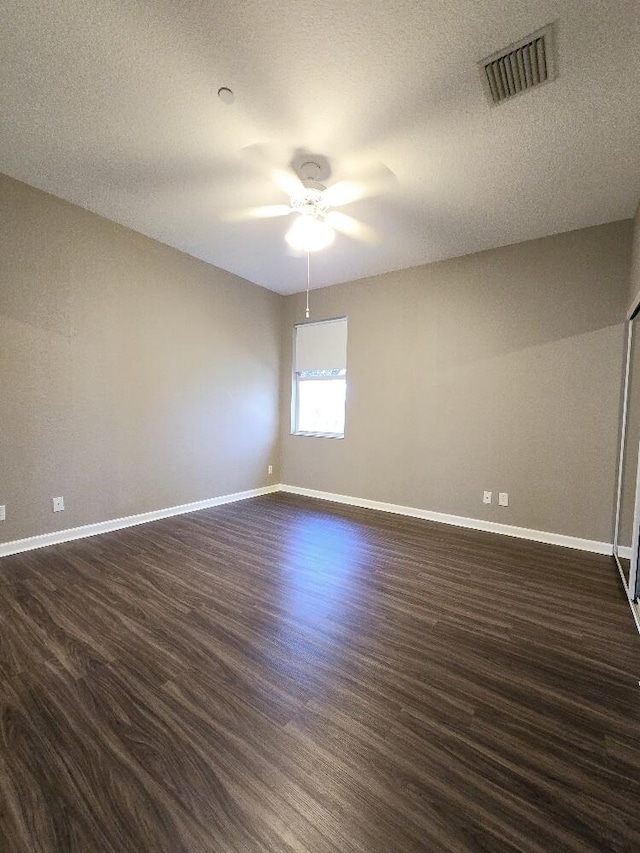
point(634, 278)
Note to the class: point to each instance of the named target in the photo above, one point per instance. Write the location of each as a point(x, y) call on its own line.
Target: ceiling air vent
point(523, 65)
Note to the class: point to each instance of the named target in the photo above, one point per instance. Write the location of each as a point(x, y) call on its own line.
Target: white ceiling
point(112, 105)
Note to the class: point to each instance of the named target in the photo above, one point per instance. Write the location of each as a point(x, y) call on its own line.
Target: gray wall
point(499, 370)
point(132, 377)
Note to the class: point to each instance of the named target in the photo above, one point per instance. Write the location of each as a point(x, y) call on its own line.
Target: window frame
point(296, 378)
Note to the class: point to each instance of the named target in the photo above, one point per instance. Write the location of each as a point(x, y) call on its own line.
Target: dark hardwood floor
point(290, 675)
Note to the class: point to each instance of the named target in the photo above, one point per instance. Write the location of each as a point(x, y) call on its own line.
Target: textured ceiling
point(112, 105)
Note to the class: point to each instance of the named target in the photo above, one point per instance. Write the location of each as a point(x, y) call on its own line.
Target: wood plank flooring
point(293, 676)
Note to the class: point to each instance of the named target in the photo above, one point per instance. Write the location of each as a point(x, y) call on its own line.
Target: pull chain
point(306, 313)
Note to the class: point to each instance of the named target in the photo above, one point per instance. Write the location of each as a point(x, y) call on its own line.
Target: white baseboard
point(590, 545)
point(58, 536)
point(623, 552)
point(19, 545)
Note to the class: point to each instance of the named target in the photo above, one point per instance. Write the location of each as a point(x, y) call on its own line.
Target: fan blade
point(287, 181)
point(377, 178)
point(265, 156)
point(268, 211)
point(351, 227)
point(373, 180)
point(344, 192)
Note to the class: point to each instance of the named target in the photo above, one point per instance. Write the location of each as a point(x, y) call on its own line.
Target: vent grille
point(520, 67)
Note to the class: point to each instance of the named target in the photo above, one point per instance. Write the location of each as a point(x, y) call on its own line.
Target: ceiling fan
point(313, 203)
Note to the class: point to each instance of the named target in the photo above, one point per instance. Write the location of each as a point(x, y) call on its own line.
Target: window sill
point(320, 434)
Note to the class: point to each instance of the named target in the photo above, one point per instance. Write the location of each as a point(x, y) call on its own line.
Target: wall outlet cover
point(486, 497)
point(58, 504)
point(3, 512)
point(503, 499)
point(270, 469)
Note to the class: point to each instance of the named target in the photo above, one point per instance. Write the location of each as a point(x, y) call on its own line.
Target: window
point(320, 379)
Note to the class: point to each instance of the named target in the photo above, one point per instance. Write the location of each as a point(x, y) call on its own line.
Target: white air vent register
point(521, 66)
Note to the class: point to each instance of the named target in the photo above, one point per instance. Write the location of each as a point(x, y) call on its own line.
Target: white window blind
point(321, 346)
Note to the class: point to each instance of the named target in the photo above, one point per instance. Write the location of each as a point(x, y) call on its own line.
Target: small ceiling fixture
point(226, 95)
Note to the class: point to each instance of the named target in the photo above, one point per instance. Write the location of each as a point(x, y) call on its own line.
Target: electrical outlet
point(3, 512)
point(486, 498)
point(503, 499)
point(270, 469)
point(58, 504)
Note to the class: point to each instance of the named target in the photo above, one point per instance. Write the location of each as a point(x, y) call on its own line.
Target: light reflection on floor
point(321, 562)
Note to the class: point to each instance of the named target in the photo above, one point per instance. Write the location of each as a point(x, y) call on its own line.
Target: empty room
point(319, 426)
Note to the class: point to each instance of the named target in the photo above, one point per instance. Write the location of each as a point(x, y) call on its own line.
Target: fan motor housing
point(310, 201)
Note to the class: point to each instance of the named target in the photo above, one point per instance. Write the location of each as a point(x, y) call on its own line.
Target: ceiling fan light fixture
point(308, 234)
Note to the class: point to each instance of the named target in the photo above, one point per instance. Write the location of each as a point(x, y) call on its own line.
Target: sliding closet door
point(633, 573)
point(627, 520)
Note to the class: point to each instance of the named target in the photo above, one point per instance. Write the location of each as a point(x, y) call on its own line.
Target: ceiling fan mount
point(311, 167)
